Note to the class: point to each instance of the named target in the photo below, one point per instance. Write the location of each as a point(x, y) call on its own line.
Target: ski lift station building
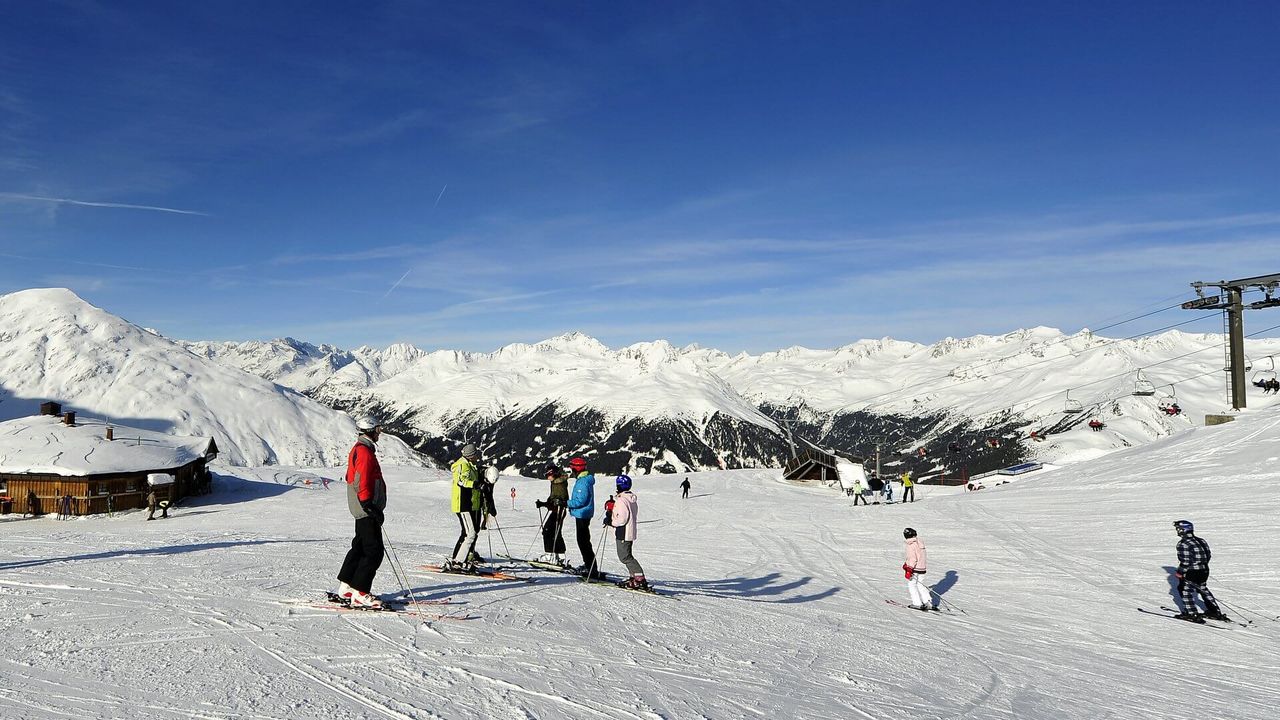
point(101, 466)
point(822, 468)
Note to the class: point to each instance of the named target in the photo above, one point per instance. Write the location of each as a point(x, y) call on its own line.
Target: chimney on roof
point(50, 408)
point(69, 419)
point(111, 433)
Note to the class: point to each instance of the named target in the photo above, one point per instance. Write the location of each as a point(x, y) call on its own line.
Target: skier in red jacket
point(366, 499)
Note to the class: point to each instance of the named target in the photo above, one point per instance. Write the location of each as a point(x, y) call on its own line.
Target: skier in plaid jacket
point(1193, 575)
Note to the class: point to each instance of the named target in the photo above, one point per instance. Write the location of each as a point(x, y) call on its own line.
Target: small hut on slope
point(87, 467)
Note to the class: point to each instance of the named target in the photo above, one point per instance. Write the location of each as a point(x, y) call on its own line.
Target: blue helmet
point(1184, 527)
point(624, 483)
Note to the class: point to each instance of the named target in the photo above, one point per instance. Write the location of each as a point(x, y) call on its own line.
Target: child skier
point(624, 518)
point(857, 493)
point(1193, 575)
point(915, 567)
point(557, 499)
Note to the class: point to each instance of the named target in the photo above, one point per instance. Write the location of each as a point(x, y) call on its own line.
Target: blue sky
point(747, 176)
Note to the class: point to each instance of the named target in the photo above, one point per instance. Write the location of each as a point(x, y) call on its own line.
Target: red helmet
point(578, 464)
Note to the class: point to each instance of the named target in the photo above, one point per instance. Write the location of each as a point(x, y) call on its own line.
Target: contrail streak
point(393, 287)
point(446, 187)
point(85, 203)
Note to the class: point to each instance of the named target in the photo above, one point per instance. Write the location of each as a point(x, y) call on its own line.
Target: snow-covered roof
point(43, 445)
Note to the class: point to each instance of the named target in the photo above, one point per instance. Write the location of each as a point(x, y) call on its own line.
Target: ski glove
point(371, 510)
point(908, 570)
point(539, 504)
point(608, 518)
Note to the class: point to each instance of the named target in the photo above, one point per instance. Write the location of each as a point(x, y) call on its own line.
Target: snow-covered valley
point(778, 611)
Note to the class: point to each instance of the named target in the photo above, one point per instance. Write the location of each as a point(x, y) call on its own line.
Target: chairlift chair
point(1143, 387)
point(1268, 374)
point(1072, 406)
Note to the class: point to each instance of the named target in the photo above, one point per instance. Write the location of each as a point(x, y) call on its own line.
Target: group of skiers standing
point(621, 514)
point(471, 501)
point(470, 497)
point(877, 487)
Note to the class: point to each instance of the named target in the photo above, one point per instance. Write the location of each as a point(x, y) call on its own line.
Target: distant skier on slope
point(1193, 575)
point(858, 491)
point(465, 503)
point(582, 506)
point(915, 567)
point(684, 488)
point(876, 483)
point(625, 518)
point(552, 525)
point(908, 488)
point(366, 499)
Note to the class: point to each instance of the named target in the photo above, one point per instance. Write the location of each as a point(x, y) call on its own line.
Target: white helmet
point(367, 423)
point(491, 474)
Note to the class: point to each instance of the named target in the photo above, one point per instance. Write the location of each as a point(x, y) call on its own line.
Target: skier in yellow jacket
point(466, 505)
point(908, 488)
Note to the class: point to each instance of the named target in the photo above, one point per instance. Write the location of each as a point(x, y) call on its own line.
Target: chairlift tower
point(1231, 302)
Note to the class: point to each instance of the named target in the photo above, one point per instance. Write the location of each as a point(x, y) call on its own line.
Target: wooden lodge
point(52, 463)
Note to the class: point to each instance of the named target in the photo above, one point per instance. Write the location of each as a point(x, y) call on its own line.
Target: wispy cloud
point(378, 253)
point(86, 203)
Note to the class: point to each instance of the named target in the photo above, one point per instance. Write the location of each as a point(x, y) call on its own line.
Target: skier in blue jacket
point(582, 506)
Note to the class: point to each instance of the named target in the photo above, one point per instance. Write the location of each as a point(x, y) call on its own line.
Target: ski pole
point(595, 562)
point(1244, 611)
point(501, 537)
point(542, 522)
point(944, 601)
point(394, 558)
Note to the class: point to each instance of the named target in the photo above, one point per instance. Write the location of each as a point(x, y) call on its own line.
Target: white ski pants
point(919, 593)
point(466, 540)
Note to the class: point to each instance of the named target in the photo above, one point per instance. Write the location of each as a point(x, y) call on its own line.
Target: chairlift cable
point(898, 395)
point(1041, 398)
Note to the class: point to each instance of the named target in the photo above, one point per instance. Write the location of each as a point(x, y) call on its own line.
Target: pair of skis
point(1172, 614)
point(334, 603)
point(602, 580)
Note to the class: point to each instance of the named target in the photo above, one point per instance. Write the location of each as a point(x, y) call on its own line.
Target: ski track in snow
point(781, 610)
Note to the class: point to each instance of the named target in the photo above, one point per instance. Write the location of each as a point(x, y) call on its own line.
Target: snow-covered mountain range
point(55, 346)
point(654, 407)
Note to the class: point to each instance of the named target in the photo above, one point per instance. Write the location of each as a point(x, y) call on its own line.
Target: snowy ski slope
point(781, 610)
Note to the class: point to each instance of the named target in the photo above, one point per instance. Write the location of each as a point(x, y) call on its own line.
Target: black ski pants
point(365, 556)
point(859, 496)
point(909, 493)
point(552, 539)
point(1196, 582)
point(584, 542)
point(684, 493)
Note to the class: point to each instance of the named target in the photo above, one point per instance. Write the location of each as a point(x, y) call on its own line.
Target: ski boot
point(344, 593)
point(635, 582)
point(365, 601)
point(1190, 617)
point(1215, 613)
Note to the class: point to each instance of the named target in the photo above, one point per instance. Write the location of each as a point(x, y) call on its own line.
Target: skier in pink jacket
point(624, 518)
point(915, 567)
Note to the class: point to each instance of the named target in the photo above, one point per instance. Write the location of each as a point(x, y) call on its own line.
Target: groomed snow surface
point(781, 610)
